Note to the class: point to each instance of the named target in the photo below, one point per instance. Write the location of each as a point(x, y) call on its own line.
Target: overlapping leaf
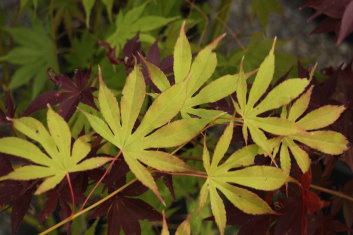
point(35, 53)
point(221, 177)
point(154, 131)
point(58, 158)
point(129, 23)
point(329, 142)
point(198, 73)
point(250, 107)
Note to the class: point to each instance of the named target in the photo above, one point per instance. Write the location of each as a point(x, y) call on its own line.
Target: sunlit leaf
point(58, 161)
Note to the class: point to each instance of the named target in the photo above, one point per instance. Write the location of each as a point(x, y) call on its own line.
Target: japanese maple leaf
point(58, 160)
point(76, 90)
point(329, 142)
point(221, 178)
point(198, 72)
point(118, 121)
point(297, 207)
point(279, 96)
point(123, 210)
point(338, 17)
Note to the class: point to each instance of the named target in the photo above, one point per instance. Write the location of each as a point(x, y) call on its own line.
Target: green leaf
point(55, 164)
point(321, 117)
point(88, 5)
point(182, 56)
point(281, 95)
point(263, 8)
point(109, 7)
point(329, 142)
point(35, 53)
point(149, 23)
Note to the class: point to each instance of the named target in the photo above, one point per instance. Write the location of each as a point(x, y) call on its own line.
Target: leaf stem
point(185, 174)
point(100, 180)
point(72, 193)
point(332, 192)
point(88, 208)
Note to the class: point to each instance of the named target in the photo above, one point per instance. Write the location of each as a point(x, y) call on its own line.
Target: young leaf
point(134, 144)
point(329, 142)
point(277, 97)
point(221, 177)
point(58, 162)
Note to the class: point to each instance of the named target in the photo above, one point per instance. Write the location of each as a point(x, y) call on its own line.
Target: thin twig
point(332, 192)
point(88, 208)
point(72, 193)
point(100, 180)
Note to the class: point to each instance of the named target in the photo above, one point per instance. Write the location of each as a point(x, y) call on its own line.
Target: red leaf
point(347, 23)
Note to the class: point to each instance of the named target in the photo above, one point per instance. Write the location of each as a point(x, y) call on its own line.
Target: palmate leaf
point(329, 142)
point(198, 73)
point(34, 54)
point(129, 23)
point(117, 124)
point(59, 158)
point(221, 178)
point(250, 107)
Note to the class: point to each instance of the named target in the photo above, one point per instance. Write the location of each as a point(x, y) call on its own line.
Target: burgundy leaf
point(19, 209)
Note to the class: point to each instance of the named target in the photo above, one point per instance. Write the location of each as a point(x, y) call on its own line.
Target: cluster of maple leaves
point(266, 183)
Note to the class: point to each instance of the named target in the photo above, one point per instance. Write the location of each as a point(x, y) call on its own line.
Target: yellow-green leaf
point(132, 100)
point(281, 95)
point(203, 67)
point(218, 209)
point(203, 195)
point(285, 159)
point(300, 156)
point(222, 145)
point(242, 157)
point(109, 106)
point(242, 87)
point(321, 117)
point(262, 79)
point(162, 161)
point(163, 109)
point(157, 76)
point(216, 90)
point(245, 200)
point(57, 163)
point(257, 177)
point(259, 138)
point(88, 5)
point(329, 142)
point(24, 149)
point(29, 172)
point(178, 132)
point(300, 105)
point(184, 227)
point(182, 56)
point(275, 125)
